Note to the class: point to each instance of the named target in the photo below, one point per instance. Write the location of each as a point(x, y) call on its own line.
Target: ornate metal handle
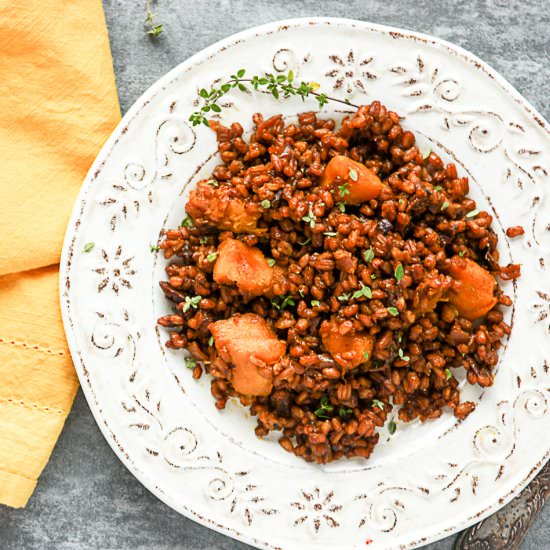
point(505, 529)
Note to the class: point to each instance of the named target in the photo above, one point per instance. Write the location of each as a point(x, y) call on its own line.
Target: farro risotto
point(335, 280)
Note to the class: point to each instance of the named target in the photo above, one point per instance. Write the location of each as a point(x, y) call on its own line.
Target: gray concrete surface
point(85, 498)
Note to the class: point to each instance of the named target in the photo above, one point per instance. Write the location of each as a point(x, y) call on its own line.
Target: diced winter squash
point(249, 344)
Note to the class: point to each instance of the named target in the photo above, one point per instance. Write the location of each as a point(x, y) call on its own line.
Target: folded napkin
point(58, 106)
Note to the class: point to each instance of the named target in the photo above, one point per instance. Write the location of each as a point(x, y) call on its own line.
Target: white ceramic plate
point(429, 480)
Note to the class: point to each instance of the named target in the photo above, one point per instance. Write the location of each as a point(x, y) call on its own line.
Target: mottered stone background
point(86, 499)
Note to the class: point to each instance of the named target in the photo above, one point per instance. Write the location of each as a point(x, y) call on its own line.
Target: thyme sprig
point(278, 85)
point(154, 28)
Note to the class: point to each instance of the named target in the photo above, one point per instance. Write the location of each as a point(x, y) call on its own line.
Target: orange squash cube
point(246, 341)
point(473, 288)
point(361, 184)
point(244, 266)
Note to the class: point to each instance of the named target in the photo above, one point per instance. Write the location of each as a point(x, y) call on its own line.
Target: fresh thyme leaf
point(310, 218)
point(324, 408)
point(343, 412)
point(461, 253)
point(344, 297)
point(448, 374)
point(366, 355)
point(315, 303)
point(472, 213)
point(280, 302)
point(341, 206)
point(190, 363)
point(88, 247)
point(307, 241)
point(330, 233)
point(438, 188)
point(444, 205)
point(368, 255)
point(204, 240)
point(191, 302)
point(393, 311)
point(399, 273)
point(271, 262)
point(372, 276)
point(322, 99)
point(402, 355)
point(392, 427)
point(213, 183)
point(265, 204)
point(377, 403)
point(343, 189)
point(211, 341)
point(363, 291)
point(212, 256)
point(187, 222)
point(154, 248)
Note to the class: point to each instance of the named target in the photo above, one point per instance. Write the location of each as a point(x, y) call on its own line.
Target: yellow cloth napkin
point(57, 107)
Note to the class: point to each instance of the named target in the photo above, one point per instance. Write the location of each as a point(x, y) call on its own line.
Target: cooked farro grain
point(327, 276)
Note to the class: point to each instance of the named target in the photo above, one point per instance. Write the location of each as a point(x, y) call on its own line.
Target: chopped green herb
point(310, 218)
point(373, 276)
point(307, 241)
point(324, 408)
point(343, 412)
point(88, 247)
point(265, 204)
point(392, 427)
point(187, 222)
point(280, 302)
point(204, 240)
point(315, 303)
point(401, 201)
point(363, 291)
point(344, 297)
point(438, 188)
point(444, 205)
point(271, 262)
point(190, 363)
point(399, 272)
point(461, 253)
point(343, 189)
point(341, 206)
point(472, 213)
point(211, 341)
point(212, 257)
point(393, 311)
point(301, 292)
point(448, 374)
point(154, 248)
point(426, 153)
point(191, 302)
point(353, 175)
point(368, 255)
point(366, 355)
point(402, 355)
point(379, 404)
point(213, 183)
point(330, 233)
